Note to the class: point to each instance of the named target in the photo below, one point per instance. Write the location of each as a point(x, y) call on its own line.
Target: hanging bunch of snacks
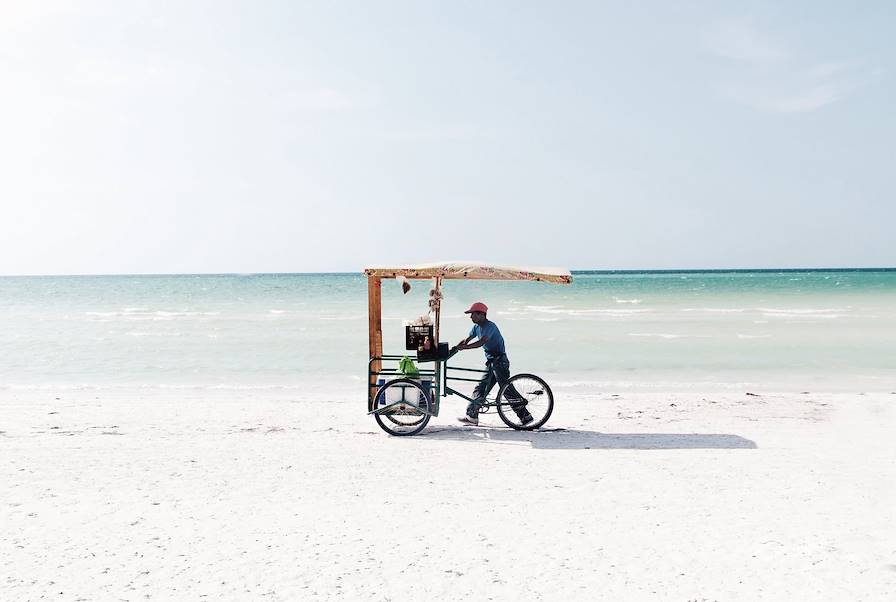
point(435, 299)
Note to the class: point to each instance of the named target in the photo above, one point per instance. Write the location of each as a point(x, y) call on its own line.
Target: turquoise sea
point(792, 330)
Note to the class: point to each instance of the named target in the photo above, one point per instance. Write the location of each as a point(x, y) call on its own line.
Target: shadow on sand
point(576, 439)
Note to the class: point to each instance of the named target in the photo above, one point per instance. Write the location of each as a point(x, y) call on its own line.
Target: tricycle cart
point(403, 405)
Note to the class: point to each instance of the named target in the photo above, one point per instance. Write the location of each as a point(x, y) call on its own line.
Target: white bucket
point(407, 392)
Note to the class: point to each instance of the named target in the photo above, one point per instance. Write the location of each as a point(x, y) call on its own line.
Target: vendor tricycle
point(402, 398)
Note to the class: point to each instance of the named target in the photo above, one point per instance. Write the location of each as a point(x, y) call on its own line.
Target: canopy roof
point(470, 270)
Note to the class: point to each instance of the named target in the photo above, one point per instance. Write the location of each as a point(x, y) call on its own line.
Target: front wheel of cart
point(525, 402)
point(406, 407)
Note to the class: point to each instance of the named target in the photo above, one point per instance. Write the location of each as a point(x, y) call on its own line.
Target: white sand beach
point(177, 495)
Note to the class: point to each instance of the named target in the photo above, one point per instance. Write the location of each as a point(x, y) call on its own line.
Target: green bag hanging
point(407, 367)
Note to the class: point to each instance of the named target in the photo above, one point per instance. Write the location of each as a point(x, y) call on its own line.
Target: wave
point(659, 385)
point(771, 312)
point(139, 313)
point(608, 312)
point(802, 311)
point(663, 335)
point(138, 333)
point(560, 310)
point(801, 316)
point(162, 386)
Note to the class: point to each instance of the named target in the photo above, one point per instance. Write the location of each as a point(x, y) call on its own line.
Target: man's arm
point(460, 345)
point(463, 344)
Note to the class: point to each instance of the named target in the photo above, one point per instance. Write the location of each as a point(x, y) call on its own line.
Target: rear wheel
point(524, 396)
point(408, 407)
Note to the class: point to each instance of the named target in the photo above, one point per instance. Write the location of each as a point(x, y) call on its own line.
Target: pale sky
point(214, 136)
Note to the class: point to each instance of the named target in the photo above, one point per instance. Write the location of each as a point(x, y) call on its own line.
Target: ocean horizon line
point(582, 272)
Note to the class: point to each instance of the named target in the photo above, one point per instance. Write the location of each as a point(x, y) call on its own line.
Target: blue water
point(791, 329)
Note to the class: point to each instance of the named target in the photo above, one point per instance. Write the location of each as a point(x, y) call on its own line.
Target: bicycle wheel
point(411, 412)
point(524, 396)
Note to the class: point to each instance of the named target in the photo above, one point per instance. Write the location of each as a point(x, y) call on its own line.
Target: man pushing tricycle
point(488, 336)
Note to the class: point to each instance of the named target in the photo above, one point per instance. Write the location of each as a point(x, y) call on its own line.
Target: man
point(489, 338)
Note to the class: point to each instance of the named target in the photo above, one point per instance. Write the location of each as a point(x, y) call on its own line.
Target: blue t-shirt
point(494, 347)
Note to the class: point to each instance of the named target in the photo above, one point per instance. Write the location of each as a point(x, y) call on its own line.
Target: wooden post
point(375, 328)
point(438, 310)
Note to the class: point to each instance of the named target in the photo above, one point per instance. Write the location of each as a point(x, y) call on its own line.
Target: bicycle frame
point(439, 374)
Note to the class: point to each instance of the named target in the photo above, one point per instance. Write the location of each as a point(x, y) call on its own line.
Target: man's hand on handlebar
point(464, 344)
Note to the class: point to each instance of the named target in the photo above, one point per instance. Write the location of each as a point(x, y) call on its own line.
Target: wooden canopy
point(468, 270)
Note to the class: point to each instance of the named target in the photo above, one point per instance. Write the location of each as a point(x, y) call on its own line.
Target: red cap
point(478, 306)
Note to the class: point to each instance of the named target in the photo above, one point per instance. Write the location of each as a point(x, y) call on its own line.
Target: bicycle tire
point(539, 401)
point(411, 421)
